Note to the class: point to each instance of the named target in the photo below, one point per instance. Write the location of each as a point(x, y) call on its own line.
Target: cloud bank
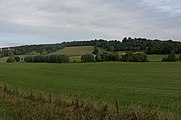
point(51, 21)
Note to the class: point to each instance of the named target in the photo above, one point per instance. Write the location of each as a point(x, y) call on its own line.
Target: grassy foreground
point(20, 105)
point(153, 84)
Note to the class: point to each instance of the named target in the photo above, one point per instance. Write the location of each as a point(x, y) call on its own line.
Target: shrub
point(87, 58)
point(10, 60)
point(137, 57)
point(106, 56)
point(164, 59)
point(180, 58)
point(117, 57)
point(17, 59)
point(96, 51)
point(128, 57)
point(74, 61)
point(140, 57)
point(28, 59)
point(98, 58)
point(109, 56)
point(171, 57)
point(1, 54)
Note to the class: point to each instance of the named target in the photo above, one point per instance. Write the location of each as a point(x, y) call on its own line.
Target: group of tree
point(87, 58)
point(5, 53)
point(95, 51)
point(48, 59)
point(135, 57)
point(115, 56)
point(12, 59)
point(171, 57)
point(108, 56)
point(127, 44)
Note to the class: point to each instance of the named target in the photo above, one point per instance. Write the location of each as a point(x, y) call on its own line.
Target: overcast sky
point(51, 21)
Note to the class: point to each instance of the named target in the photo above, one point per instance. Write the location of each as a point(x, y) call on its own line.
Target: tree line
point(128, 44)
point(40, 59)
point(115, 56)
point(99, 57)
point(48, 59)
point(13, 59)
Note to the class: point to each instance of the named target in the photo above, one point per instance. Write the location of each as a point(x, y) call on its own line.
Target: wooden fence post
point(77, 101)
point(117, 107)
point(50, 97)
point(5, 90)
point(17, 91)
point(31, 93)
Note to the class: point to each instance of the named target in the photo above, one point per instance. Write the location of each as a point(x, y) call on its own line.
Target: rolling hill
point(75, 51)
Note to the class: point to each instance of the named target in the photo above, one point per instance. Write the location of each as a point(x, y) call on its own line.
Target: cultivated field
point(152, 84)
point(75, 51)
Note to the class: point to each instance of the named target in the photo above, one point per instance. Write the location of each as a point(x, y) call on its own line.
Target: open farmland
point(158, 57)
point(147, 84)
point(75, 51)
point(2, 60)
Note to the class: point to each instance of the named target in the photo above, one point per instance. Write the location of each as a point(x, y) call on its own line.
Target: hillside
point(127, 44)
point(75, 51)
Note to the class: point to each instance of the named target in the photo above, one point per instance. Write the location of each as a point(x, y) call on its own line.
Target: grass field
point(75, 52)
point(157, 58)
point(154, 84)
point(75, 58)
point(3, 59)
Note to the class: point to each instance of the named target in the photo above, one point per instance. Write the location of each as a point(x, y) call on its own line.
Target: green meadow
point(152, 84)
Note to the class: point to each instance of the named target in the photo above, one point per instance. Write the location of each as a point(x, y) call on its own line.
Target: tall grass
point(21, 105)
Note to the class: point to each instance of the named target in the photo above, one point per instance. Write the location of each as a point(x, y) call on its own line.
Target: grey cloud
point(59, 20)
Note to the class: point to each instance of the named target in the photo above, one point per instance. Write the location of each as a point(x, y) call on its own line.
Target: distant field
point(3, 59)
point(154, 84)
point(156, 58)
point(75, 58)
point(75, 51)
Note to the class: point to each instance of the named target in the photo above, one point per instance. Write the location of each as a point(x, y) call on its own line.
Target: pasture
point(152, 84)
